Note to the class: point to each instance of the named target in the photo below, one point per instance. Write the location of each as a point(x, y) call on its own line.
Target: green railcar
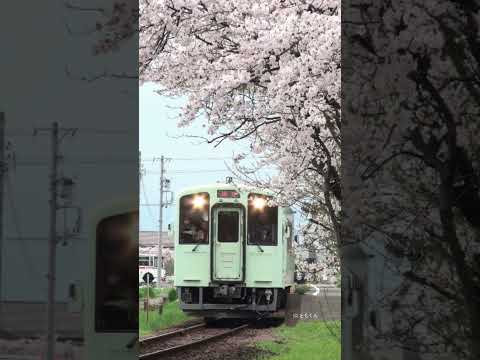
point(233, 252)
point(108, 298)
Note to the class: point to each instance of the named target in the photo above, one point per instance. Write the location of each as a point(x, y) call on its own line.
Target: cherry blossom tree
point(413, 67)
point(267, 73)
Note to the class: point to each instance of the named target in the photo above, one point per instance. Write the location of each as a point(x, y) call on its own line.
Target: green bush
point(142, 292)
point(302, 289)
point(172, 295)
point(338, 280)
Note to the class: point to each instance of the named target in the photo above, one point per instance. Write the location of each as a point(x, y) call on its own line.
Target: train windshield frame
point(116, 274)
point(194, 219)
point(262, 221)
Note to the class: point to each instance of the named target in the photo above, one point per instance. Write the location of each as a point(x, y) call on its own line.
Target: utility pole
point(53, 238)
point(52, 246)
point(2, 178)
point(160, 222)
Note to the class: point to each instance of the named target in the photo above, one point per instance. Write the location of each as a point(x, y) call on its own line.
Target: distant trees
point(168, 261)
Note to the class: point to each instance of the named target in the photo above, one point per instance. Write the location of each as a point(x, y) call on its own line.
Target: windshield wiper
point(132, 342)
point(196, 246)
point(260, 247)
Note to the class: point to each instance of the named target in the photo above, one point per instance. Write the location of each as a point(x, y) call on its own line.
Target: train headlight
point(259, 203)
point(198, 202)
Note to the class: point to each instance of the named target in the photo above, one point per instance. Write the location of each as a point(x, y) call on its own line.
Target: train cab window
point(228, 226)
point(143, 261)
point(116, 280)
point(194, 219)
point(262, 221)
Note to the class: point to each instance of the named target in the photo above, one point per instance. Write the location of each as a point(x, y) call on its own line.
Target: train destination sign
point(228, 194)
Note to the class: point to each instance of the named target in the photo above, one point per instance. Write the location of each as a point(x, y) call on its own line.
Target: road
point(324, 290)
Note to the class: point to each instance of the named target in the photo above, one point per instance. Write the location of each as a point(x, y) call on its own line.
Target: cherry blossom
point(267, 73)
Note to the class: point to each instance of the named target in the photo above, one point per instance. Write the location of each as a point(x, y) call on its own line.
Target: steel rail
point(170, 334)
point(158, 353)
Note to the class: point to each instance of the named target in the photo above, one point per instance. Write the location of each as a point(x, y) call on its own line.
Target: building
point(148, 251)
point(150, 239)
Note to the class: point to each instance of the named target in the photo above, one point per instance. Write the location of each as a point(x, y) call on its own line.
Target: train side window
point(116, 280)
point(194, 219)
point(228, 226)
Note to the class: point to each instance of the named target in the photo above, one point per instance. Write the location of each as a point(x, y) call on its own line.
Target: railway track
point(183, 339)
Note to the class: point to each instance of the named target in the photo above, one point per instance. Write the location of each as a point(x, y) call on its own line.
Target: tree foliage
point(265, 72)
point(413, 66)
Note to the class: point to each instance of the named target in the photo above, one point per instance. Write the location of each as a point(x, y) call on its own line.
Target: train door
point(228, 244)
point(112, 304)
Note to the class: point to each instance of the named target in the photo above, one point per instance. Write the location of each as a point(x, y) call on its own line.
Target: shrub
point(142, 292)
point(302, 289)
point(338, 280)
point(172, 295)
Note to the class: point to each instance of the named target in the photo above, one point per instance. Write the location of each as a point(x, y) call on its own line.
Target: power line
point(94, 131)
point(186, 171)
point(146, 199)
point(18, 229)
point(180, 175)
point(191, 158)
point(78, 162)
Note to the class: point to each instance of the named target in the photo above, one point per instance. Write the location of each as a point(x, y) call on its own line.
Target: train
point(108, 298)
point(234, 255)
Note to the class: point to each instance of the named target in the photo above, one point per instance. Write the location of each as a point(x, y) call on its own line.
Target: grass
point(154, 292)
point(171, 315)
point(307, 340)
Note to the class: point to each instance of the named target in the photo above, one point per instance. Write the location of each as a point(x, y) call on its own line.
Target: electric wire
point(146, 199)
point(92, 131)
point(18, 228)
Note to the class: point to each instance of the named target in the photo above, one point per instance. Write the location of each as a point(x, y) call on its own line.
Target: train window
point(289, 234)
point(143, 261)
point(194, 219)
point(262, 222)
point(228, 226)
point(116, 281)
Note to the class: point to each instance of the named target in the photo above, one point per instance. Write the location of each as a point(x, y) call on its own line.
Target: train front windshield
point(116, 281)
point(194, 219)
point(262, 221)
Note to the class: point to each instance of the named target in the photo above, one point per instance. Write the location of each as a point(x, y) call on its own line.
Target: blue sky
point(159, 135)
